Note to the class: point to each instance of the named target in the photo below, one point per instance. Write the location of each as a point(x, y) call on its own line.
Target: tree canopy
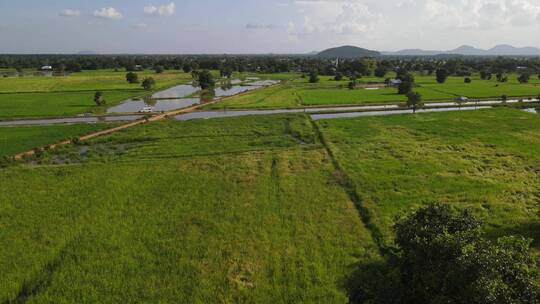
point(206, 80)
point(443, 257)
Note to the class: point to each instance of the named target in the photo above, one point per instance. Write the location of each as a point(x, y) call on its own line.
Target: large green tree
point(148, 83)
point(442, 257)
point(132, 77)
point(313, 77)
point(414, 101)
point(206, 80)
point(524, 78)
point(99, 99)
point(441, 75)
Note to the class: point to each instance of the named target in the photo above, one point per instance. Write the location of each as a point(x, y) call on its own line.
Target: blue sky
point(257, 26)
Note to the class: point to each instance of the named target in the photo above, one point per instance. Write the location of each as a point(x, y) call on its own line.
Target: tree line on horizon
point(458, 66)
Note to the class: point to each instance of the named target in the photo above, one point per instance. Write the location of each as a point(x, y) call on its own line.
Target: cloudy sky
point(262, 26)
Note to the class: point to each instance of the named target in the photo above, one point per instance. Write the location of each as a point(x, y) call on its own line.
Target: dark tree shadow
point(529, 230)
point(376, 281)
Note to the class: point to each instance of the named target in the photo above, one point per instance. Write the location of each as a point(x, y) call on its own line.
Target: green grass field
point(485, 160)
point(250, 209)
point(57, 104)
point(88, 81)
point(37, 96)
point(298, 92)
point(243, 210)
point(14, 140)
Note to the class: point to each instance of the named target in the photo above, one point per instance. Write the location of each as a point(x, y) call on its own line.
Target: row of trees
point(227, 64)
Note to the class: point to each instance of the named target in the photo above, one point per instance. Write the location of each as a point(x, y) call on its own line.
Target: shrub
point(405, 87)
point(148, 83)
point(159, 69)
point(99, 99)
point(132, 77)
point(524, 78)
point(441, 75)
point(313, 77)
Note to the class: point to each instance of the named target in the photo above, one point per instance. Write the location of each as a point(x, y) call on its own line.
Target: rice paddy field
point(15, 140)
point(40, 96)
point(243, 210)
point(484, 160)
point(254, 209)
point(298, 92)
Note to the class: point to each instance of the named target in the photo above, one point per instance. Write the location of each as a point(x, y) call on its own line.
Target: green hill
point(347, 52)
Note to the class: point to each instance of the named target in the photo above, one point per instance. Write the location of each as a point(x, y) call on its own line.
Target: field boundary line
point(348, 186)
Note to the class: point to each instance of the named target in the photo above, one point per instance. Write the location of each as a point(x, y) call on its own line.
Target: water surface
point(176, 92)
point(69, 120)
point(160, 105)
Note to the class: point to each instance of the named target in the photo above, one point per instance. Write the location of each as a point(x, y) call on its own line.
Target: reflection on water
point(176, 92)
point(174, 98)
point(262, 83)
point(233, 90)
point(220, 114)
point(71, 120)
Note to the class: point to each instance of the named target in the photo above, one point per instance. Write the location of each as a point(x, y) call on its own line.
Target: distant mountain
point(467, 50)
point(413, 52)
point(505, 49)
point(347, 52)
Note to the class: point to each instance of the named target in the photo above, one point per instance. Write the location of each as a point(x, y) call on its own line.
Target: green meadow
point(57, 103)
point(39, 96)
point(298, 92)
point(485, 160)
point(15, 140)
point(252, 209)
point(237, 210)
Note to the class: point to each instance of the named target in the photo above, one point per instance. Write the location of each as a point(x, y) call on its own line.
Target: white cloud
point(108, 13)
point(70, 13)
point(334, 17)
point(162, 10)
point(411, 23)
